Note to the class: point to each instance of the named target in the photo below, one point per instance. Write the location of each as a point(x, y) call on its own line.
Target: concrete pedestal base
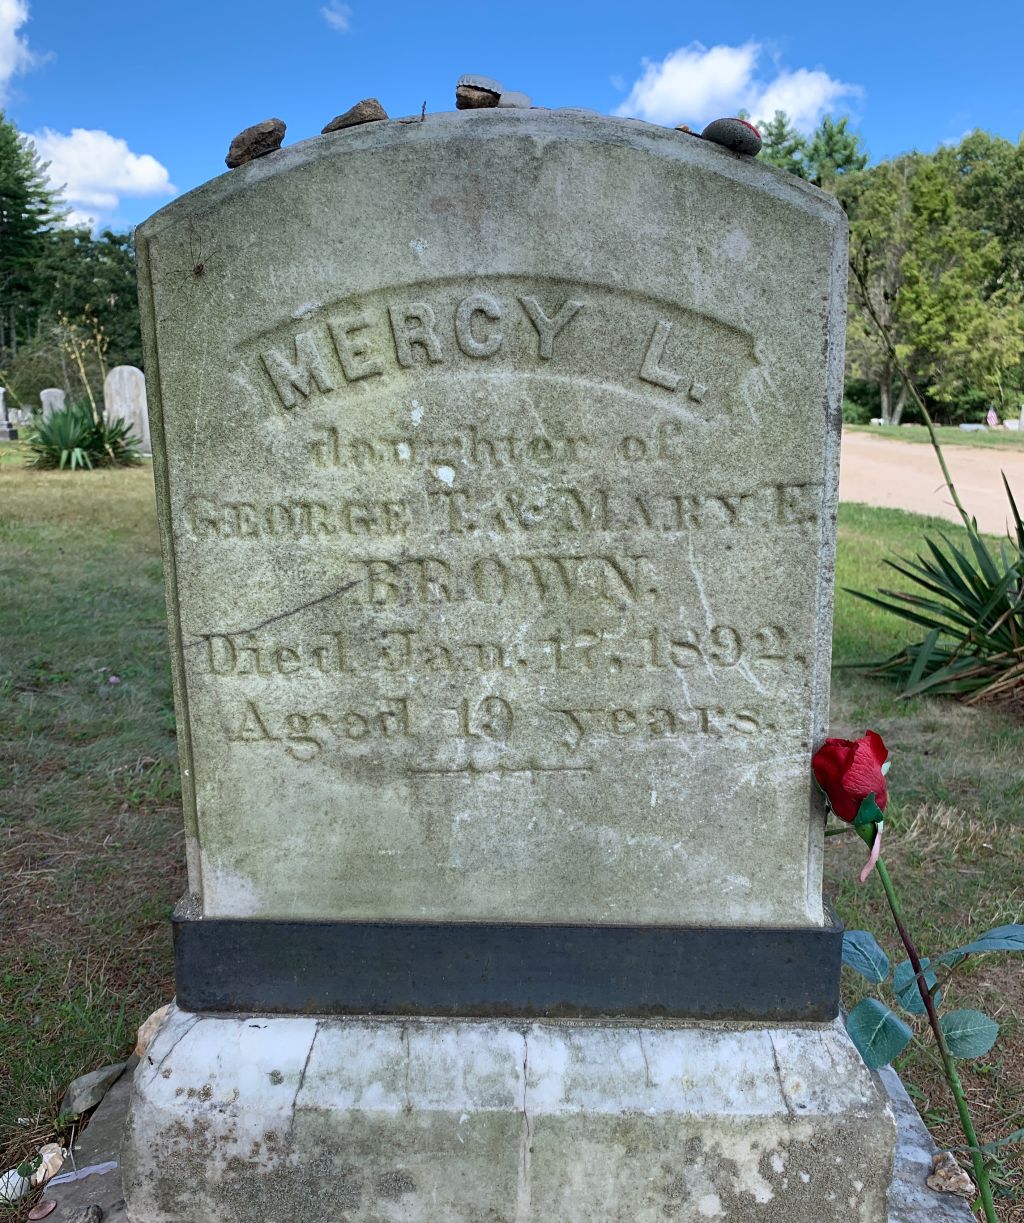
point(274, 1119)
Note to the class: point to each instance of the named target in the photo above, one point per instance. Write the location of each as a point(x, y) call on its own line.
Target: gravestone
point(124, 398)
point(496, 460)
point(51, 400)
point(8, 431)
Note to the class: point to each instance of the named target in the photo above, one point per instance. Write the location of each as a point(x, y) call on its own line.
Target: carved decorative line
point(504, 770)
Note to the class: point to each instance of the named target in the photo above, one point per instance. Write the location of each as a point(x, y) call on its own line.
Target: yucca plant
point(73, 438)
point(970, 602)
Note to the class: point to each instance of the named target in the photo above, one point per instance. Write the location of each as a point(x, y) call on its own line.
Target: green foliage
point(856, 413)
point(970, 604)
point(969, 1033)
point(904, 986)
point(782, 145)
point(931, 260)
point(880, 1035)
point(28, 209)
point(73, 438)
point(832, 149)
point(878, 1032)
point(54, 278)
point(1001, 938)
point(862, 953)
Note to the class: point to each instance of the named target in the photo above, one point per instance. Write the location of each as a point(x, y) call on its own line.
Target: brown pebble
point(44, 1207)
point(471, 97)
point(256, 141)
point(369, 110)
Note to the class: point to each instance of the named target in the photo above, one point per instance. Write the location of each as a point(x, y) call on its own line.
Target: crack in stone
point(778, 1075)
point(643, 1053)
point(302, 1081)
point(237, 632)
point(523, 1187)
point(407, 1045)
point(159, 1065)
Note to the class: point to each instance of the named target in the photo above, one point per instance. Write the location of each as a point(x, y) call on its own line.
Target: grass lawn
point(90, 824)
point(949, 435)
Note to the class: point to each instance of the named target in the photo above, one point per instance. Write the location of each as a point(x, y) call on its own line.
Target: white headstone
point(124, 398)
point(52, 400)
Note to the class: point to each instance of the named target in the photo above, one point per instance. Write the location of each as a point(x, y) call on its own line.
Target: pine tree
point(782, 145)
point(28, 207)
point(833, 150)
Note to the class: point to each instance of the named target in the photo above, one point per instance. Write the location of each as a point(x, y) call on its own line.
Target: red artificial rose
point(848, 770)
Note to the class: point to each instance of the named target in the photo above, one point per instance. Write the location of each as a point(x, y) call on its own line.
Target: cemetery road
point(906, 476)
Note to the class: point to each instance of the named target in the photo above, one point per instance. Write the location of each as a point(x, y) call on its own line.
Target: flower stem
point(948, 1065)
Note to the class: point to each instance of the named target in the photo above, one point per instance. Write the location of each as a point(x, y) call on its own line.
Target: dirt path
point(906, 476)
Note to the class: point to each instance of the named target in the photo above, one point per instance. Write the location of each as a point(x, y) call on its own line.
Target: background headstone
point(52, 400)
point(8, 432)
point(124, 398)
point(499, 528)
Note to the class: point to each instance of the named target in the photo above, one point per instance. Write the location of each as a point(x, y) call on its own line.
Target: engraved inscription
point(546, 559)
point(502, 324)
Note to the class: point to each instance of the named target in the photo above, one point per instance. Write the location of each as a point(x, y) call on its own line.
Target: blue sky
point(135, 102)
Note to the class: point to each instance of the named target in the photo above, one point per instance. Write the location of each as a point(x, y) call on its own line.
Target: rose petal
point(864, 773)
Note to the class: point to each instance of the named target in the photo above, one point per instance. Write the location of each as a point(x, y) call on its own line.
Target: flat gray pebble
point(87, 1214)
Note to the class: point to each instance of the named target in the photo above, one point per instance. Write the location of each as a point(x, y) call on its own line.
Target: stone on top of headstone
point(737, 135)
point(501, 617)
point(256, 141)
point(513, 99)
point(124, 398)
point(51, 400)
point(369, 110)
point(474, 92)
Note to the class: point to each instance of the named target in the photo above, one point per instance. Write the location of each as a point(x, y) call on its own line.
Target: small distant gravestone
point(52, 400)
point(496, 460)
point(124, 398)
point(8, 432)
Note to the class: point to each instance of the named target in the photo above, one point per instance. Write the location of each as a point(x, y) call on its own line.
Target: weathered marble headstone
point(124, 398)
point(497, 459)
point(52, 400)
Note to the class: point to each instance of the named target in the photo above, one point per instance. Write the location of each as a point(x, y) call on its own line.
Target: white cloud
point(95, 169)
point(15, 55)
point(338, 16)
point(696, 84)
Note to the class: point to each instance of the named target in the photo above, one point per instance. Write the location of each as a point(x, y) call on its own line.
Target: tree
point(92, 279)
point(924, 274)
point(833, 150)
point(782, 145)
point(28, 209)
point(830, 151)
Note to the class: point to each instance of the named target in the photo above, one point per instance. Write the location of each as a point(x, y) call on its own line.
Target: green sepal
point(869, 813)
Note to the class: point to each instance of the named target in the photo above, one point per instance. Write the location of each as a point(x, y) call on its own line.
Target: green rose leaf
point(862, 953)
point(969, 1033)
point(904, 984)
point(1002, 938)
point(879, 1033)
point(30, 1166)
point(868, 813)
